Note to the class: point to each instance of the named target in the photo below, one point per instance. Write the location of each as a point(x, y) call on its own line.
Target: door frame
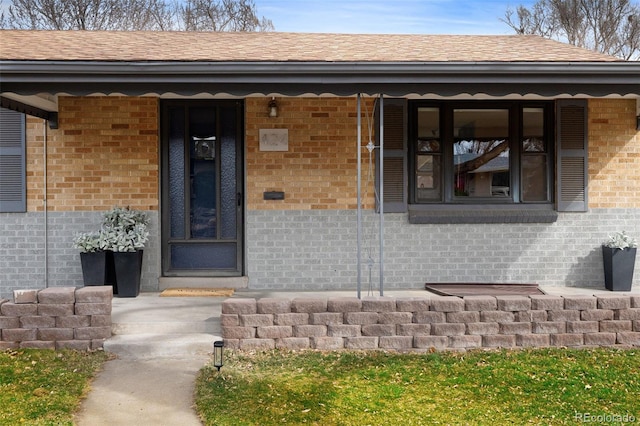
point(165, 224)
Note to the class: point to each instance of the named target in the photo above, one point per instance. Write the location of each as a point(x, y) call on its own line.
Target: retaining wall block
point(513, 303)
point(481, 328)
point(37, 321)
point(412, 304)
point(583, 327)
point(447, 304)
point(256, 320)
point(514, 328)
point(9, 322)
point(326, 318)
point(429, 317)
point(378, 304)
point(600, 339)
point(563, 315)
point(274, 332)
point(636, 325)
point(344, 304)
point(308, 305)
point(627, 314)
point(361, 343)
point(95, 294)
point(428, 342)
point(238, 333)
point(448, 329)
point(273, 305)
point(343, 330)
point(531, 316)
point(581, 303)
point(56, 310)
point(465, 342)
point(567, 339)
point(11, 309)
point(413, 329)
point(291, 319)
point(532, 340)
point(309, 330)
point(93, 308)
point(229, 320)
point(499, 341)
point(546, 302)
point(239, 306)
point(257, 344)
point(90, 333)
point(5, 346)
point(57, 295)
point(549, 327)
point(613, 302)
point(379, 330)
point(73, 321)
point(497, 316)
point(25, 296)
point(480, 303)
point(327, 343)
point(615, 326)
point(361, 318)
point(292, 343)
point(463, 316)
point(396, 342)
point(395, 317)
point(635, 301)
point(597, 315)
point(19, 334)
point(98, 344)
point(628, 338)
point(55, 334)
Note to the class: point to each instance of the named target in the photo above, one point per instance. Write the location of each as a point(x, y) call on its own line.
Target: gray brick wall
point(317, 250)
point(22, 250)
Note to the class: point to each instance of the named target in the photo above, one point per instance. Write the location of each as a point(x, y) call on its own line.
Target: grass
point(44, 387)
point(543, 386)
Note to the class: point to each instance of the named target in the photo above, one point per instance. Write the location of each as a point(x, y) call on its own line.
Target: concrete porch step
point(210, 326)
point(152, 346)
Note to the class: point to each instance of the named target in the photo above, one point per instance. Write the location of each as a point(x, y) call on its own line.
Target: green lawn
point(44, 387)
point(545, 386)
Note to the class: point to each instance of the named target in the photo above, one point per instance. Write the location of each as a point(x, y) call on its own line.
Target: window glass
point(481, 153)
point(428, 156)
point(533, 130)
point(534, 157)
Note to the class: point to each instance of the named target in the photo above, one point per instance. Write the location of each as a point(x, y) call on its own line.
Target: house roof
point(284, 47)
point(35, 65)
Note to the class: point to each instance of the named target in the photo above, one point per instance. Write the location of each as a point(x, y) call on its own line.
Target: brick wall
point(442, 323)
point(56, 318)
point(105, 153)
point(319, 170)
point(614, 154)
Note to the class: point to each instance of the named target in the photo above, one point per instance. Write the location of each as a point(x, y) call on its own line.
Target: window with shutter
point(572, 155)
point(12, 162)
point(395, 152)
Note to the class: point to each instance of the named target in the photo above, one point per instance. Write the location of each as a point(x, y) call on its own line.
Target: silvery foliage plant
point(90, 242)
point(125, 229)
point(621, 240)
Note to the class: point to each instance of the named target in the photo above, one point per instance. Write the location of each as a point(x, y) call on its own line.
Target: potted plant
point(94, 257)
point(125, 233)
point(619, 256)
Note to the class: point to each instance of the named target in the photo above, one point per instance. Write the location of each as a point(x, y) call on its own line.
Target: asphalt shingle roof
point(284, 47)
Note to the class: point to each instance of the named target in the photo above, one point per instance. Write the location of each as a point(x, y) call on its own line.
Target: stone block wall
point(56, 318)
point(442, 323)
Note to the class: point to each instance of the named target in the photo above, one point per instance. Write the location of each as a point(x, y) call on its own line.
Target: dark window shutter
point(395, 155)
point(13, 194)
point(572, 155)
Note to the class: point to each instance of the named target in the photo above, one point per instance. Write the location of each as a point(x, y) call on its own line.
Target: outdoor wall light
point(217, 354)
point(273, 108)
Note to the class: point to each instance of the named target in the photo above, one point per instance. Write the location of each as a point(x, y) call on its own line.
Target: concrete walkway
point(162, 342)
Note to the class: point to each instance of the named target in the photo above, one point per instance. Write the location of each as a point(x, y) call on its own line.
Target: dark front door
point(202, 180)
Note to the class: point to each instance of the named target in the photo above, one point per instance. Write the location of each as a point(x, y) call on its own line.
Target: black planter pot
point(128, 269)
point(618, 268)
point(95, 268)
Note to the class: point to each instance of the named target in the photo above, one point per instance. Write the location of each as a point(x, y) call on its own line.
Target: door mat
point(482, 289)
point(197, 292)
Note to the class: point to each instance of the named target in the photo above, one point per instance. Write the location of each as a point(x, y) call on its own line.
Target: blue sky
point(389, 16)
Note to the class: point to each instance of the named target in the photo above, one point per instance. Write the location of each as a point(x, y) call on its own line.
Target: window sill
point(523, 213)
